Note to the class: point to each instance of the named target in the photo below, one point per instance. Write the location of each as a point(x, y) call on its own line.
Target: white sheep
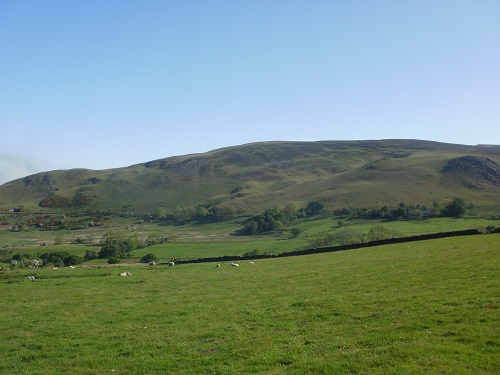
point(171, 264)
point(31, 278)
point(235, 264)
point(152, 263)
point(251, 262)
point(218, 265)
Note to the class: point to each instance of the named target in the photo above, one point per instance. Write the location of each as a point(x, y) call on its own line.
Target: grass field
point(424, 307)
point(217, 239)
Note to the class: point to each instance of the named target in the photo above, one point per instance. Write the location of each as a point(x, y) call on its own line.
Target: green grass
point(218, 239)
point(423, 307)
point(322, 226)
point(215, 249)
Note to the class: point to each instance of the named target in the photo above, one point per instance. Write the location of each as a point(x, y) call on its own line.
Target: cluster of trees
point(116, 246)
point(56, 259)
point(275, 219)
point(58, 222)
point(60, 259)
point(181, 215)
point(456, 208)
point(349, 236)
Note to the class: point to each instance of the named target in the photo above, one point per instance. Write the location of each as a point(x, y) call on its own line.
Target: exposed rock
point(475, 172)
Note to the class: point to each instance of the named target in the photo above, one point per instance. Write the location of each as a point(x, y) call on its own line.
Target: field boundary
point(330, 249)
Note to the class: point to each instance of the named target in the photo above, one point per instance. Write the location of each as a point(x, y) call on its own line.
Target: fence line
point(330, 249)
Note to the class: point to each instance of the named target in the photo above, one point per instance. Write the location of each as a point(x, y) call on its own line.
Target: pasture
point(422, 307)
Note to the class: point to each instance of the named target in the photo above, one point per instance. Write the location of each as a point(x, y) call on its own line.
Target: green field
point(423, 307)
point(218, 239)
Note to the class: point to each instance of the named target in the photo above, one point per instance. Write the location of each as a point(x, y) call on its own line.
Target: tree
point(291, 208)
point(346, 237)
point(90, 255)
point(456, 208)
point(295, 232)
point(201, 212)
point(117, 245)
point(72, 260)
point(160, 213)
point(380, 232)
point(314, 208)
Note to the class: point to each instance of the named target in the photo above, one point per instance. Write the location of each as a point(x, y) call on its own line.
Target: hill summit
point(252, 177)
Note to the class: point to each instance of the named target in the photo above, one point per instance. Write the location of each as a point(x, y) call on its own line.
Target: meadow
point(193, 240)
point(422, 307)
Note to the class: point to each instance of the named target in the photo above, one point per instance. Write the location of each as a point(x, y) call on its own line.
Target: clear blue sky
point(109, 83)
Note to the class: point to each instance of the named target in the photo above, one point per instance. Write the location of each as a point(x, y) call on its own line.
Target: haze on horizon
point(109, 84)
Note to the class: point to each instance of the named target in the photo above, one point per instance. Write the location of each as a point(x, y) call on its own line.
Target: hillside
point(253, 177)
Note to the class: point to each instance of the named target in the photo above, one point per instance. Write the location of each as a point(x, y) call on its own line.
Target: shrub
point(148, 258)
point(295, 232)
point(90, 255)
point(314, 208)
point(380, 232)
point(26, 263)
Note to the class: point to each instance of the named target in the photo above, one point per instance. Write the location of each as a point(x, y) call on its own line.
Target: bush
point(26, 263)
point(60, 259)
point(113, 260)
point(295, 232)
point(90, 255)
point(314, 208)
point(148, 258)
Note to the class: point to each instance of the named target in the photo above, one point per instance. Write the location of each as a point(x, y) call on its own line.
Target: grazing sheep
point(125, 274)
point(171, 264)
point(31, 278)
point(217, 266)
point(235, 264)
point(152, 263)
point(72, 267)
point(251, 262)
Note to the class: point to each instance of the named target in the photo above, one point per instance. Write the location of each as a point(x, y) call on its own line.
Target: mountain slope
point(256, 176)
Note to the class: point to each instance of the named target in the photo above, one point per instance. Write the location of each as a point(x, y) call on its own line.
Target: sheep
point(152, 263)
point(251, 262)
point(171, 264)
point(218, 265)
point(31, 278)
point(125, 274)
point(235, 264)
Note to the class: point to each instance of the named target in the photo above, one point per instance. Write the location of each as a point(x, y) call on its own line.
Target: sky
point(104, 84)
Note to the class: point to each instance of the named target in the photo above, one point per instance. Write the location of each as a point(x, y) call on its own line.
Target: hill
point(253, 177)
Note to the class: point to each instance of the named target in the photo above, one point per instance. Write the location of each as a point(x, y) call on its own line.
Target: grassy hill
point(253, 177)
